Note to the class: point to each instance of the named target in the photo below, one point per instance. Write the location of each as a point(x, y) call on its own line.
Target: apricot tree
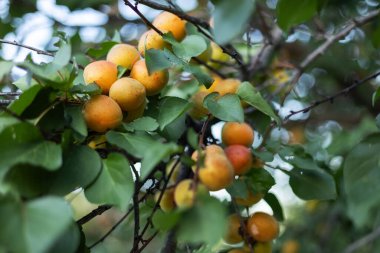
point(151, 120)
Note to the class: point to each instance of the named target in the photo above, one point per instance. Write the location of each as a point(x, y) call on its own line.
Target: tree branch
point(365, 240)
point(38, 51)
point(136, 211)
point(98, 211)
point(332, 97)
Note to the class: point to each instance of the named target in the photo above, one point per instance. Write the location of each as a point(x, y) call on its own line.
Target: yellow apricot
point(176, 170)
point(124, 55)
point(168, 22)
point(290, 246)
point(218, 55)
point(103, 73)
point(184, 194)
point(216, 172)
point(197, 111)
point(167, 201)
point(102, 113)
point(227, 86)
point(150, 40)
point(237, 133)
point(262, 227)
point(98, 141)
point(154, 82)
point(233, 235)
point(128, 93)
point(135, 114)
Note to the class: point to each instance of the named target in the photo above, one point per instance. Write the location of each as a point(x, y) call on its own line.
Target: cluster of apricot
point(127, 95)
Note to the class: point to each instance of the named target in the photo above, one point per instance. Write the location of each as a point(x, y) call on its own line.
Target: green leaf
point(165, 221)
point(114, 185)
point(361, 174)
point(375, 96)
point(227, 107)
point(26, 98)
point(192, 45)
point(33, 226)
point(273, 202)
point(231, 18)
point(171, 108)
point(62, 56)
point(89, 89)
point(249, 94)
point(68, 242)
point(205, 223)
point(294, 12)
point(74, 118)
point(259, 180)
point(23, 144)
point(310, 184)
point(102, 50)
point(238, 189)
point(5, 68)
point(154, 155)
point(6, 121)
point(81, 165)
point(25, 82)
point(147, 124)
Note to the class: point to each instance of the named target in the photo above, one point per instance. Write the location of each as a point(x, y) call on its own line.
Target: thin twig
point(96, 212)
point(332, 97)
point(365, 240)
point(136, 211)
point(11, 94)
point(38, 51)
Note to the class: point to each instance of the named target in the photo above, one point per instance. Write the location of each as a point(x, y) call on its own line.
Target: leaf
point(23, 144)
point(25, 82)
point(227, 107)
point(171, 108)
point(89, 89)
point(249, 94)
point(361, 174)
point(102, 50)
point(165, 221)
point(205, 223)
point(192, 45)
point(26, 98)
point(294, 12)
point(231, 18)
point(310, 184)
point(29, 227)
point(75, 119)
point(154, 155)
point(259, 180)
point(114, 185)
point(273, 202)
point(147, 124)
point(81, 165)
point(5, 68)
point(62, 56)
point(68, 242)
point(375, 97)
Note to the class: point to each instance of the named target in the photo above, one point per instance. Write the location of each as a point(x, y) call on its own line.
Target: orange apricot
point(168, 22)
point(251, 199)
point(262, 227)
point(102, 113)
point(233, 236)
point(197, 111)
point(227, 86)
point(167, 201)
point(240, 157)
point(124, 55)
point(154, 82)
point(102, 73)
point(135, 114)
point(150, 40)
point(237, 133)
point(128, 93)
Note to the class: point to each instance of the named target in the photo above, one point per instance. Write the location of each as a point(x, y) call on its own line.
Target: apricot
point(150, 40)
point(216, 172)
point(217, 55)
point(240, 157)
point(227, 86)
point(167, 201)
point(262, 227)
point(154, 82)
point(214, 84)
point(124, 55)
point(168, 22)
point(135, 114)
point(237, 133)
point(102, 113)
point(290, 246)
point(239, 250)
point(176, 171)
point(128, 93)
point(257, 163)
point(233, 236)
point(102, 73)
point(250, 200)
point(184, 193)
point(197, 111)
point(262, 247)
